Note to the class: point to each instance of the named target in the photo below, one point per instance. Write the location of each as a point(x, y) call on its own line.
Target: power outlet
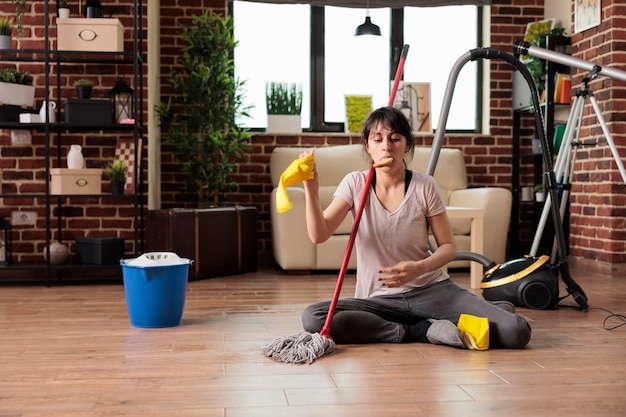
point(23, 218)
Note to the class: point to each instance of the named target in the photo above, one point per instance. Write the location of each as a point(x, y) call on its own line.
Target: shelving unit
point(549, 109)
point(53, 63)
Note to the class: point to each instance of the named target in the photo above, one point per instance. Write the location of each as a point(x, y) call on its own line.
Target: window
point(316, 46)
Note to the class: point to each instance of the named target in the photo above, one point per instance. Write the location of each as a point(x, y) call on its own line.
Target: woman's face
point(383, 142)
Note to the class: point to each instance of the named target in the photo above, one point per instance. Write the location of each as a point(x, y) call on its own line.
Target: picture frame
point(358, 108)
point(587, 14)
point(125, 150)
point(413, 99)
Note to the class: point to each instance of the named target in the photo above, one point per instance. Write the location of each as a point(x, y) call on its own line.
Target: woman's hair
point(392, 118)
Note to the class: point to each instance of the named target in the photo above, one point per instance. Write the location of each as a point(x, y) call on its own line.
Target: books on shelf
point(562, 88)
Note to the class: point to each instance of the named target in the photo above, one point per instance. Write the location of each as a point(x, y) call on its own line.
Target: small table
point(476, 237)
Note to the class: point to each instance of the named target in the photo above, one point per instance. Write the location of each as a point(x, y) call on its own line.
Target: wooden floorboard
point(69, 350)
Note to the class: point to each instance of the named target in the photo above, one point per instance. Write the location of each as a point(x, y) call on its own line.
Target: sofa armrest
point(496, 204)
point(292, 247)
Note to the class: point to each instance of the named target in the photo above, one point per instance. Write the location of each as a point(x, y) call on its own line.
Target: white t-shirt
point(385, 238)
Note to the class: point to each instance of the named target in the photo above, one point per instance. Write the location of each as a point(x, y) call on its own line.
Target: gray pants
point(380, 319)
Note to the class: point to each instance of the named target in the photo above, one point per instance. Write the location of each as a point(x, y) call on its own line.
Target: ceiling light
point(367, 28)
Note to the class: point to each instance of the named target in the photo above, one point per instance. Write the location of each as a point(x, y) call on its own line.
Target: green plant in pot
point(18, 89)
point(537, 66)
point(6, 30)
point(283, 102)
point(83, 88)
point(116, 172)
point(14, 76)
point(198, 119)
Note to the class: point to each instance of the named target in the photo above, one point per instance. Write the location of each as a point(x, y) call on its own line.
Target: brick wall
point(598, 204)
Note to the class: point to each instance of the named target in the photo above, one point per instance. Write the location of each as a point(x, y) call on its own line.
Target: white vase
point(75, 157)
point(51, 108)
point(58, 253)
point(64, 13)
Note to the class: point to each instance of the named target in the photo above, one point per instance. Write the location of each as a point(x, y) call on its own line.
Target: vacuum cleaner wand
point(491, 53)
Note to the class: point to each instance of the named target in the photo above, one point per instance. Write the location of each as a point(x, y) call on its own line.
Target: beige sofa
point(293, 249)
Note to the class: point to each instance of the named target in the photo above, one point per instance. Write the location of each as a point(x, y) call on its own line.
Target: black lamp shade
point(367, 28)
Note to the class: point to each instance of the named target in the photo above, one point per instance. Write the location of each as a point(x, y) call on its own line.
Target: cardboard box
point(75, 181)
point(89, 112)
point(90, 35)
point(99, 250)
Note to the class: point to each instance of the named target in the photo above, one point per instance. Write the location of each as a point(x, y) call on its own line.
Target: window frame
point(317, 68)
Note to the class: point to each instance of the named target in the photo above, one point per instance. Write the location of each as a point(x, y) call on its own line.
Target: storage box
point(10, 113)
point(90, 35)
point(221, 241)
point(99, 250)
point(88, 112)
point(75, 181)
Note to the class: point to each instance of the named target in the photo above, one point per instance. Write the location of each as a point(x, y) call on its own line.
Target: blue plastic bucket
point(155, 285)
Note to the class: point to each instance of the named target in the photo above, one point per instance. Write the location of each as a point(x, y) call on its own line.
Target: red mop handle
point(396, 81)
point(366, 190)
point(346, 257)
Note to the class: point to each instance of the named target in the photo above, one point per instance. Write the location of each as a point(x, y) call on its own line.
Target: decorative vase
point(5, 42)
point(51, 106)
point(58, 253)
point(75, 157)
point(64, 13)
point(117, 187)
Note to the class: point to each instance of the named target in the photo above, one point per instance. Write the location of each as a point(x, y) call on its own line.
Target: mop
point(306, 347)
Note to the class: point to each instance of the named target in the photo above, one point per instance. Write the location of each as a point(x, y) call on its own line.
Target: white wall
point(562, 11)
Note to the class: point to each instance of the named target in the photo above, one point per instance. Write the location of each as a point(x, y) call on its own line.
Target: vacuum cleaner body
point(525, 282)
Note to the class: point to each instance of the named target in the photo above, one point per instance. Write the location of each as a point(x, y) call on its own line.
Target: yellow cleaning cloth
point(299, 170)
point(475, 331)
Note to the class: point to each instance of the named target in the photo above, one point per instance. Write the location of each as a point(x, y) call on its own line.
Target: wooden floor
point(70, 351)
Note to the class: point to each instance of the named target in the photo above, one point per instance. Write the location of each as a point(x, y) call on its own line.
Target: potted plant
point(20, 8)
point(283, 102)
point(198, 128)
point(116, 172)
point(16, 87)
point(540, 195)
point(6, 30)
point(537, 66)
point(83, 88)
point(64, 10)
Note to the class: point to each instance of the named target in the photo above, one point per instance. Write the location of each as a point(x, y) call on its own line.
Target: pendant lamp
point(367, 28)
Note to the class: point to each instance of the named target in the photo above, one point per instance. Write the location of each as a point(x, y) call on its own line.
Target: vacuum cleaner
point(530, 281)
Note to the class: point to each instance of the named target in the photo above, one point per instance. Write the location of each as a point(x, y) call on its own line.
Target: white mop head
point(299, 348)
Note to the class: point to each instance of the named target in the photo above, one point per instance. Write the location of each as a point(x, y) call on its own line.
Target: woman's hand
point(313, 181)
point(401, 273)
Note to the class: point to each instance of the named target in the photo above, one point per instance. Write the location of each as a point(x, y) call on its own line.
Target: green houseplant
point(283, 98)
point(83, 88)
point(198, 129)
point(537, 66)
point(198, 119)
point(16, 87)
point(20, 8)
point(116, 171)
point(6, 25)
point(283, 102)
